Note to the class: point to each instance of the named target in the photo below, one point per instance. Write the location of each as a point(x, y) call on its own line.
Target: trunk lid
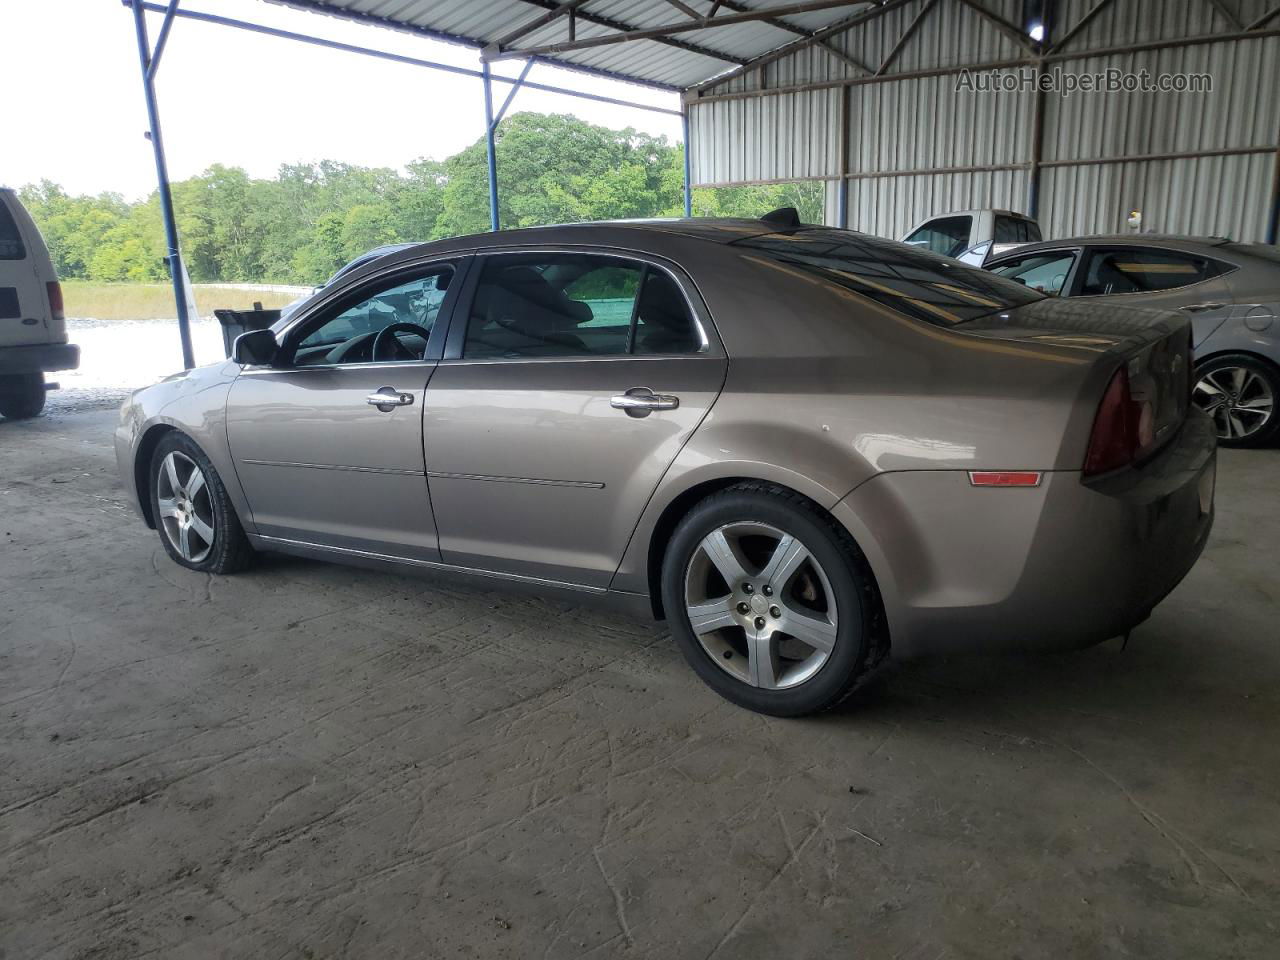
point(1154, 347)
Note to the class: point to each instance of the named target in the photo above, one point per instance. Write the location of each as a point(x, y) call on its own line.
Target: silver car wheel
point(186, 512)
point(760, 605)
point(1240, 402)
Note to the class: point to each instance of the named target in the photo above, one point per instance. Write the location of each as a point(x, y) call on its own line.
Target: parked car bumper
point(41, 357)
point(1065, 564)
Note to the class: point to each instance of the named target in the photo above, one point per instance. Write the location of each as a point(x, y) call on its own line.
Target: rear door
point(1160, 279)
point(570, 381)
point(24, 303)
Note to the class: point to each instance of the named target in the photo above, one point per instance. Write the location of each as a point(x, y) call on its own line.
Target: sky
point(241, 99)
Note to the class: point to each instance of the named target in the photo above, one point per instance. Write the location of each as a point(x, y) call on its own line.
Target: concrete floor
point(314, 761)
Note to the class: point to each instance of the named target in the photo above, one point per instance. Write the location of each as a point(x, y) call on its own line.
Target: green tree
point(310, 218)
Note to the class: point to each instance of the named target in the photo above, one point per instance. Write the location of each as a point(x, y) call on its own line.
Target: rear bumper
point(40, 357)
point(1062, 565)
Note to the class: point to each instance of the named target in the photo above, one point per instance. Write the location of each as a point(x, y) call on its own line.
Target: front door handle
point(387, 399)
point(641, 401)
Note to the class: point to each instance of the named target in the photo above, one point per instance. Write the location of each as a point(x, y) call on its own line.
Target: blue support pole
point(163, 39)
point(688, 178)
point(515, 88)
point(174, 258)
point(842, 203)
point(490, 151)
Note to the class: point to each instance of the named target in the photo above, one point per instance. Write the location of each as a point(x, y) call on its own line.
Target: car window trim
point(460, 317)
point(1096, 248)
point(349, 295)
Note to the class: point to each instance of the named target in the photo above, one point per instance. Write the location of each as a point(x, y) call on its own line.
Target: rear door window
point(1043, 272)
point(11, 245)
point(551, 305)
point(948, 236)
point(1137, 270)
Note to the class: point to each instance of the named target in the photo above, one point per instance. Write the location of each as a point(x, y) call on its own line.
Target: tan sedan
point(805, 448)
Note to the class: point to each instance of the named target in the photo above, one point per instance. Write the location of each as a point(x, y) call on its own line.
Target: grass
point(154, 301)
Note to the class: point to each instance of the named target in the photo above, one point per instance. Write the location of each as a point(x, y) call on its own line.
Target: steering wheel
point(386, 337)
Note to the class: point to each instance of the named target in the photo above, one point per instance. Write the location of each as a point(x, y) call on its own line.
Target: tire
point(22, 395)
point(743, 647)
point(214, 540)
point(1233, 388)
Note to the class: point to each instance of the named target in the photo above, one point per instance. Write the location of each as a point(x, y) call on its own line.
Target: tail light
point(54, 290)
point(1122, 428)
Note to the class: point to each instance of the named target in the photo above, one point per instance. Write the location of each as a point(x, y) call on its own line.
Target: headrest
point(529, 284)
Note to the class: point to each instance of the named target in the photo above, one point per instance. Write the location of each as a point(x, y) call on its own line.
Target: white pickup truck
point(33, 330)
point(973, 236)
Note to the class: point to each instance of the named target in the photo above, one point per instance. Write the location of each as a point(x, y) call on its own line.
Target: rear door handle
point(1201, 307)
point(641, 401)
point(387, 399)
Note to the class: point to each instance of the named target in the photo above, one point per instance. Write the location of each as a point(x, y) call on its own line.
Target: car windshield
point(908, 279)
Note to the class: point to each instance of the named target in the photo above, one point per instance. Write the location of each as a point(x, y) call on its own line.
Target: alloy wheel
point(760, 605)
point(1240, 401)
point(186, 512)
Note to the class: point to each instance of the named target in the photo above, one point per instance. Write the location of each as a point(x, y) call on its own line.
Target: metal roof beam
point(542, 21)
point(620, 25)
point(665, 31)
point(473, 43)
point(1080, 24)
point(687, 10)
point(1227, 14)
point(1004, 26)
point(393, 57)
point(1262, 20)
point(907, 34)
point(883, 7)
point(799, 32)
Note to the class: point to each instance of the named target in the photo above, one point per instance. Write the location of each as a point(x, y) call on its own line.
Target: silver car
point(805, 448)
point(1230, 291)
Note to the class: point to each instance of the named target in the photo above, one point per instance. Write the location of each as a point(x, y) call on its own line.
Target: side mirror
point(257, 348)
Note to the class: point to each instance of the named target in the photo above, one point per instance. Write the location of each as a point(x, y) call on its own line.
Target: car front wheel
point(771, 602)
point(194, 516)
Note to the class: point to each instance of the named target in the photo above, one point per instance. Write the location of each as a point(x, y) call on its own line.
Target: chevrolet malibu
point(804, 448)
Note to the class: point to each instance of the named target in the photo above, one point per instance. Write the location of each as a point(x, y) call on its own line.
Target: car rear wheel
point(1240, 393)
point(771, 602)
point(194, 516)
point(21, 395)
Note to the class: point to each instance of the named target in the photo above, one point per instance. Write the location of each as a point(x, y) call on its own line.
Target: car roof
point(721, 231)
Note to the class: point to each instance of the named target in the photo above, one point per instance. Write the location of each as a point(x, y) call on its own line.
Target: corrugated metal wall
point(918, 146)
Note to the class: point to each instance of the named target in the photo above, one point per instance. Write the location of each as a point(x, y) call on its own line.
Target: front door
point(569, 385)
point(327, 441)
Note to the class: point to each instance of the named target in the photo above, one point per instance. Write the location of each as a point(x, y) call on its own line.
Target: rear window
point(11, 247)
point(906, 279)
point(1016, 230)
point(946, 235)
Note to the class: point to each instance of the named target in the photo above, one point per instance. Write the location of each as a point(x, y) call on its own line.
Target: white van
point(33, 331)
